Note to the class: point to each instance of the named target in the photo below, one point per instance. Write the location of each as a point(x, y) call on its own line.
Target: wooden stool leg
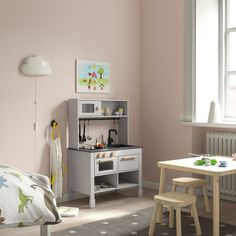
point(159, 214)
point(186, 189)
point(174, 188)
point(171, 217)
point(178, 222)
point(191, 191)
point(204, 190)
point(196, 220)
point(153, 220)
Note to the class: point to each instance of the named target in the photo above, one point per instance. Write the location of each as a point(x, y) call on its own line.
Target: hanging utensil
point(80, 137)
point(84, 136)
point(88, 136)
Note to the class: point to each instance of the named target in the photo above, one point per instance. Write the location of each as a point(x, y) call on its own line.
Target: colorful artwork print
point(92, 77)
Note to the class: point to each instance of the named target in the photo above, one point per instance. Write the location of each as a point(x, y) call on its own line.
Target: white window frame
point(225, 73)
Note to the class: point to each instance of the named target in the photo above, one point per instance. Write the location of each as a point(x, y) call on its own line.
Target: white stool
point(189, 184)
point(174, 200)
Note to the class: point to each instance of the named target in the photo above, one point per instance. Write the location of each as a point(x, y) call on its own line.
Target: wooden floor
point(116, 205)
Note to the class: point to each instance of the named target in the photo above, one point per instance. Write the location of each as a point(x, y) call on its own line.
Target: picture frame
point(92, 76)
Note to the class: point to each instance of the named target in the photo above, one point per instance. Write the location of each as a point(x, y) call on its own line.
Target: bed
point(26, 199)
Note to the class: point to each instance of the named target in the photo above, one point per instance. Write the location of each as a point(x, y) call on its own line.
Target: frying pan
point(84, 136)
point(80, 137)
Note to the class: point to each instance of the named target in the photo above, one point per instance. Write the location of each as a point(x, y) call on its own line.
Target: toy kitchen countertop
point(113, 147)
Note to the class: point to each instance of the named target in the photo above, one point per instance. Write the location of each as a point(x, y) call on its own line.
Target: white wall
point(62, 31)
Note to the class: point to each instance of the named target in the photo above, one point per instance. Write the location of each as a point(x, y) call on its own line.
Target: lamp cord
point(35, 123)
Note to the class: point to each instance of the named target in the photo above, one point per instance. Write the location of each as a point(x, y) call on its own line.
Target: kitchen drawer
point(129, 162)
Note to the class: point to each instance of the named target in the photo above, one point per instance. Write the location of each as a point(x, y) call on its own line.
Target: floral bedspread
point(26, 199)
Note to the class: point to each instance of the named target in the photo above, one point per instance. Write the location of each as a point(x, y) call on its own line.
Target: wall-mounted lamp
point(35, 66)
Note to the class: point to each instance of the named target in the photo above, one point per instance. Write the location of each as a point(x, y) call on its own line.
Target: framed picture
point(92, 77)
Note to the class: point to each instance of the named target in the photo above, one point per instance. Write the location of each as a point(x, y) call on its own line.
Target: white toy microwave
point(90, 108)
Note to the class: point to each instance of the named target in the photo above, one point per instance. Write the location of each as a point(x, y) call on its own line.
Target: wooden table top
point(187, 165)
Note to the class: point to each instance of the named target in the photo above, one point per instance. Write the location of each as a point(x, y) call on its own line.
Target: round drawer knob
point(103, 155)
point(98, 155)
point(112, 154)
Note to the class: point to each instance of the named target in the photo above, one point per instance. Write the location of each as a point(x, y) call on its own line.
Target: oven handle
point(128, 158)
point(107, 160)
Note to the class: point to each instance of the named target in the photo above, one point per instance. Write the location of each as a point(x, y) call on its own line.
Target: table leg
point(44, 230)
point(216, 206)
point(161, 190)
point(162, 180)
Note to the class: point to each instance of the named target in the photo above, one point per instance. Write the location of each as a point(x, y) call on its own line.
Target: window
point(229, 61)
point(213, 58)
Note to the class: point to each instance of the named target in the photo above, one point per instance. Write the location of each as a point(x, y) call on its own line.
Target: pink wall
point(163, 136)
point(104, 30)
point(62, 31)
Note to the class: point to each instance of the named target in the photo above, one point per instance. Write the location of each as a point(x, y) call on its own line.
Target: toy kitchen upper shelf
point(99, 109)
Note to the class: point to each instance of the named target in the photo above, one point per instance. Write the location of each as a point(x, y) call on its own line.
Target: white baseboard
point(69, 197)
point(150, 185)
point(155, 186)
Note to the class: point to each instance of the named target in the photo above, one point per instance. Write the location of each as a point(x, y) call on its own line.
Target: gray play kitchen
point(100, 157)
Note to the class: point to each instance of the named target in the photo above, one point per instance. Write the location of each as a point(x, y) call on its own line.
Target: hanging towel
point(56, 164)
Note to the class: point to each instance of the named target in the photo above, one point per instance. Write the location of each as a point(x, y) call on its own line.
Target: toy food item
point(202, 162)
point(199, 162)
point(213, 161)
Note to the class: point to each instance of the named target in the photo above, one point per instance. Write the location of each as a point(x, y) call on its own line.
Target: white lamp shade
point(36, 66)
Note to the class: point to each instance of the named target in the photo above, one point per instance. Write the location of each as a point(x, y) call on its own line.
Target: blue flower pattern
point(2, 182)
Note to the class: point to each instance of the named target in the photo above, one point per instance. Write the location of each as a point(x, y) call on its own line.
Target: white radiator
point(224, 144)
